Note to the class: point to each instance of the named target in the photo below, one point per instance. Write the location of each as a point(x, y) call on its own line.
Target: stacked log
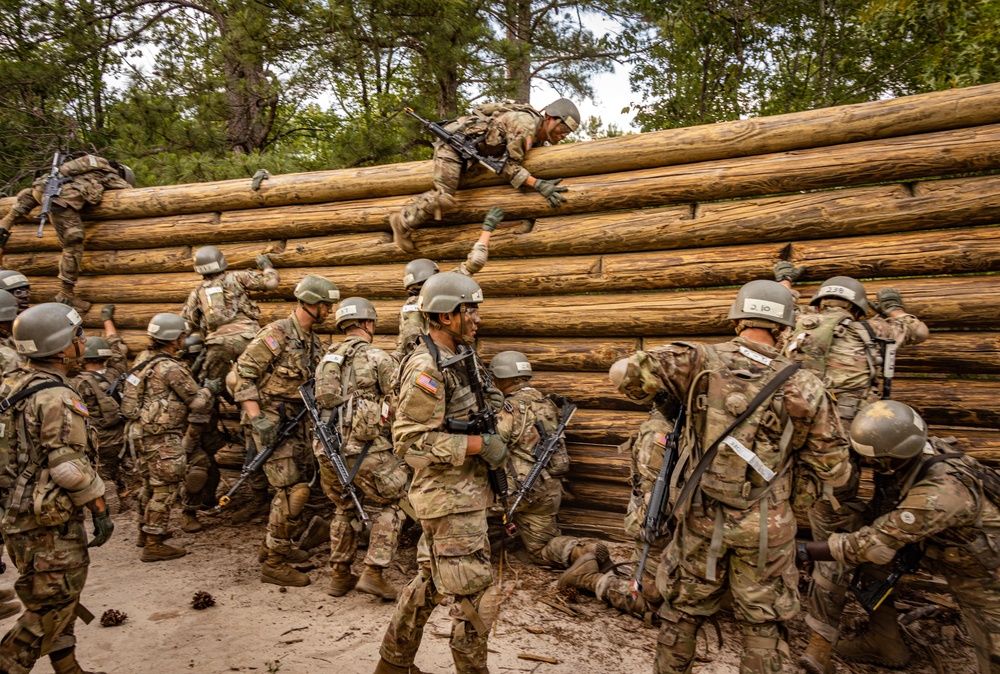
point(657, 232)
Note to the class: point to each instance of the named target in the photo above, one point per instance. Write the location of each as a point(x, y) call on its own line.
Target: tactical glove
point(266, 431)
point(260, 176)
point(213, 385)
point(103, 527)
point(108, 312)
point(494, 451)
point(550, 189)
point(493, 218)
point(889, 299)
point(786, 270)
point(263, 262)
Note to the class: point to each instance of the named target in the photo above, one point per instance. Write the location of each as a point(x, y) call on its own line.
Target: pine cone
point(202, 600)
point(113, 618)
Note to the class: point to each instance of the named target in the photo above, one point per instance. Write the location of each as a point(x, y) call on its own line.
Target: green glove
point(550, 189)
point(494, 451)
point(108, 312)
point(260, 176)
point(263, 262)
point(267, 431)
point(213, 385)
point(786, 270)
point(889, 299)
point(493, 218)
point(103, 527)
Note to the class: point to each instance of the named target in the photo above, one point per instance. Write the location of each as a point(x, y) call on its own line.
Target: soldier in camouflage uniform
point(412, 323)
point(450, 492)
point(9, 357)
point(281, 358)
point(735, 523)
point(357, 378)
point(508, 130)
point(846, 351)
point(948, 505)
point(159, 396)
point(47, 480)
point(87, 178)
point(16, 284)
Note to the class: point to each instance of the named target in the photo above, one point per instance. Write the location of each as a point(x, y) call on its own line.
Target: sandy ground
point(259, 628)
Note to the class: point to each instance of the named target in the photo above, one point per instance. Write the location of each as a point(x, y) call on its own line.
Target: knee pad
point(298, 495)
point(195, 479)
point(765, 646)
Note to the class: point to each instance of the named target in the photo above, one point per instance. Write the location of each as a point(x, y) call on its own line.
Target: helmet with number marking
point(12, 280)
point(444, 293)
point(565, 110)
point(97, 348)
point(764, 300)
point(8, 306)
point(510, 364)
point(316, 290)
point(842, 288)
point(209, 260)
point(193, 344)
point(888, 428)
point(45, 329)
point(417, 271)
point(354, 310)
point(167, 327)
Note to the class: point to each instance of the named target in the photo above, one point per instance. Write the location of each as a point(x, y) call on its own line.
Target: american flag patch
point(428, 383)
point(661, 439)
point(81, 407)
point(271, 342)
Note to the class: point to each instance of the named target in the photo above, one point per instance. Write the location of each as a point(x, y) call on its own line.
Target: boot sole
point(283, 583)
point(813, 667)
point(158, 558)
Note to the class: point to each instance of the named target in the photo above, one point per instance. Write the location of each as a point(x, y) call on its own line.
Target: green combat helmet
point(167, 327)
point(209, 260)
point(97, 348)
point(45, 329)
point(510, 364)
point(888, 428)
point(417, 271)
point(764, 300)
point(316, 289)
point(842, 288)
point(443, 293)
point(8, 307)
point(565, 110)
point(193, 345)
point(354, 310)
point(12, 280)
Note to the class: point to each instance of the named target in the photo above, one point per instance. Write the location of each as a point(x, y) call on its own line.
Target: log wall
point(657, 231)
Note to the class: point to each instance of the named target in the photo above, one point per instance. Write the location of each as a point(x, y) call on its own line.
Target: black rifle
point(656, 511)
point(199, 361)
point(53, 188)
point(872, 594)
point(542, 453)
point(463, 144)
point(286, 428)
point(329, 437)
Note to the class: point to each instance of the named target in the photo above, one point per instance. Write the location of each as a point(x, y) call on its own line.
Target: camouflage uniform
point(44, 531)
point(945, 509)
point(226, 316)
point(106, 419)
point(840, 351)
point(412, 323)
point(719, 542)
point(280, 358)
point(91, 176)
point(366, 422)
point(10, 359)
point(450, 494)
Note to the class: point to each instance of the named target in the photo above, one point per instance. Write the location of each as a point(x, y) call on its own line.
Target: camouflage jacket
point(945, 509)
point(48, 429)
point(505, 132)
point(647, 449)
point(412, 323)
point(169, 397)
point(222, 299)
point(118, 363)
point(10, 359)
point(366, 415)
point(516, 425)
point(445, 480)
point(280, 359)
point(91, 176)
point(104, 413)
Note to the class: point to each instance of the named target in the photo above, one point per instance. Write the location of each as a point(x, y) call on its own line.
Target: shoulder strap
point(7, 403)
point(124, 375)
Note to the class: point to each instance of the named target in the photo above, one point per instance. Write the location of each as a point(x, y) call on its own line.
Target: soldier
point(281, 358)
point(450, 492)
point(47, 480)
point(536, 516)
point(507, 130)
point(118, 362)
point(356, 378)
point(755, 422)
point(949, 506)
point(160, 395)
point(412, 323)
point(87, 178)
point(847, 352)
point(16, 284)
point(9, 357)
point(222, 310)
point(202, 441)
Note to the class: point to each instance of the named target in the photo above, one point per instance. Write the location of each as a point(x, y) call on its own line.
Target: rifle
point(542, 453)
point(871, 595)
point(656, 510)
point(199, 361)
point(53, 188)
point(286, 428)
point(461, 143)
point(329, 437)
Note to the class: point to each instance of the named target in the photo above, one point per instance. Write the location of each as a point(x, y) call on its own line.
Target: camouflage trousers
point(222, 350)
point(979, 601)
point(449, 170)
point(538, 526)
point(615, 589)
point(166, 462)
point(382, 479)
point(454, 556)
point(52, 565)
point(69, 229)
point(202, 477)
point(111, 441)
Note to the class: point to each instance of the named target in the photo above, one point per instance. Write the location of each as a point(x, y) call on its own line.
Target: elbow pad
point(70, 476)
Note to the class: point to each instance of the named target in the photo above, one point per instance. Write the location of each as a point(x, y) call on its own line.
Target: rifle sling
point(357, 465)
point(138, 366)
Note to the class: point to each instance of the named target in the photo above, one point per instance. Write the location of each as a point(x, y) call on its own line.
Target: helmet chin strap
point(461, 337)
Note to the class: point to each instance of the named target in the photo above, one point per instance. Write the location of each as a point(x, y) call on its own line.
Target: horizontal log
point(599, 495)
point(598, 462)
point(593, 524)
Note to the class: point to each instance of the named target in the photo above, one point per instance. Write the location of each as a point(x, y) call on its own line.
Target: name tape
point(763, 308)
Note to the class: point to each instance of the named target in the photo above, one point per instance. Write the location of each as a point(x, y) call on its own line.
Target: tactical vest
point(107, 413)
point(492, 140)
point(134, 387)
point(291, 368)
point(348, 381)
point(545, 411)
point(224, 300)
point(162, 409)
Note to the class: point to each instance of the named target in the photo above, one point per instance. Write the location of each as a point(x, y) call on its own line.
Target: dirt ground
point(255, 627)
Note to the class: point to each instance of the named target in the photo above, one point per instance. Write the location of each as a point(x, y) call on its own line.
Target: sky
point(611, 91)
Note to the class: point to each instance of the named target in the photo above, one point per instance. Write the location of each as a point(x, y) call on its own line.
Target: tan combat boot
point(257, 505)
point(881, 645)
point(401, 233)
point(317, 533)
point(277, 572)
point(816, 659)
point(67, 664)
point(342, 581)
point(372, 582)
point(584, 574)
point(67, 295)
point(596, 548)
point(156, 550)
point(386, 667)
point(190, 523)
